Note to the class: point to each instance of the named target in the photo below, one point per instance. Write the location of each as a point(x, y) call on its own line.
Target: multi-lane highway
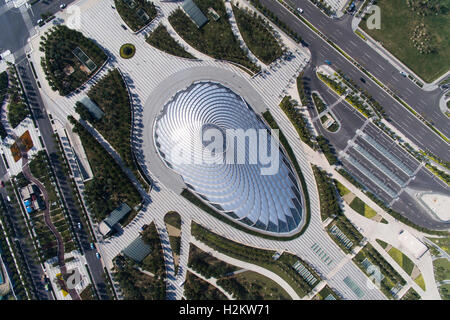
point(339, 31)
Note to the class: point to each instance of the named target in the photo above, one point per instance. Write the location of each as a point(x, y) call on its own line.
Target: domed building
point(240, 187)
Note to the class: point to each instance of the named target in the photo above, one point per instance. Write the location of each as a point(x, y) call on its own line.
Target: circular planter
point(127, 51)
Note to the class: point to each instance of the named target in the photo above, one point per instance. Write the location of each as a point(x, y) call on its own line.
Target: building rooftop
point(194, 13)
point(117, 214)
point(92, 107)
point(137, 250)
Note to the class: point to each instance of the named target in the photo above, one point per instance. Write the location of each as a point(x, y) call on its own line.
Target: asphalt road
point(340, 32)
point(46, 6)
point(14, 39)
point(36, 271)
point(46, 131)
point(351, 120)
point(14, 33)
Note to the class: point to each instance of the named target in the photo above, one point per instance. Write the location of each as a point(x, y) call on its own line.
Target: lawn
point(260, 257)
point(397, 28)
point(17, 108)
point(441, 269)
point(443, 243)
point(382, 243)
point(173, 224)
point(419, 280)
point(363, 209)
point(402, 260)
point(173, 218)
point(444, 290)
point(391, 276)
point(342, 189)
point(154, 262)
point(136, 285)
point(111, 96)
point(3, 85)
point(207, 265)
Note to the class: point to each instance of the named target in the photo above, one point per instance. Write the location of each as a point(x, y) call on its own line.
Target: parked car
point(123, 27)
point(62, 6)
point(403, 73)
point(40, 21)
point(300, 10)
point(79, 226)
point(8, 198)
point(92, 245)
point(97, 255)
point(328, 62)
point(362, 80)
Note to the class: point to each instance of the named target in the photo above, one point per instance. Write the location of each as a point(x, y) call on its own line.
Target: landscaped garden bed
point(258, 35)
point(173, 225)
point(215, 38)
point(110, 186)
point(162, 40)
point(196, 288)
point(17, 107)
point(283, 266)
point(70, 58)
point(250, 285)
point(136, 13)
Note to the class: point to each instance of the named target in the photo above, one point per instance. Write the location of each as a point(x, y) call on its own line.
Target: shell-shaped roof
point(266, 202)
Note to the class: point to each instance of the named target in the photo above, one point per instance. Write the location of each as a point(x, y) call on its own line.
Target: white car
point(40, 21)
point(300, 10)
point(62, 6)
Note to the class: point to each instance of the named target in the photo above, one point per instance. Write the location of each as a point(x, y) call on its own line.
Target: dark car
point(362, 80)
point(123, 27)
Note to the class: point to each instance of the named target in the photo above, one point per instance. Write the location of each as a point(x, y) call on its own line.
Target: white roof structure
point(271, 203)
point(104, 228)
point(412, 244)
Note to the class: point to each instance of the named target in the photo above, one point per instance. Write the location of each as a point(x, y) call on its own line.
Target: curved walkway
point(252, 267)
point(212, 281)
point(60, 243)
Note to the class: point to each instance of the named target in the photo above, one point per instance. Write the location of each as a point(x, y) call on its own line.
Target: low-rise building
point(107, 225)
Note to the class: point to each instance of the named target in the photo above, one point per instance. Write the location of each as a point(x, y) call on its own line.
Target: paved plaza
point(153, 77)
